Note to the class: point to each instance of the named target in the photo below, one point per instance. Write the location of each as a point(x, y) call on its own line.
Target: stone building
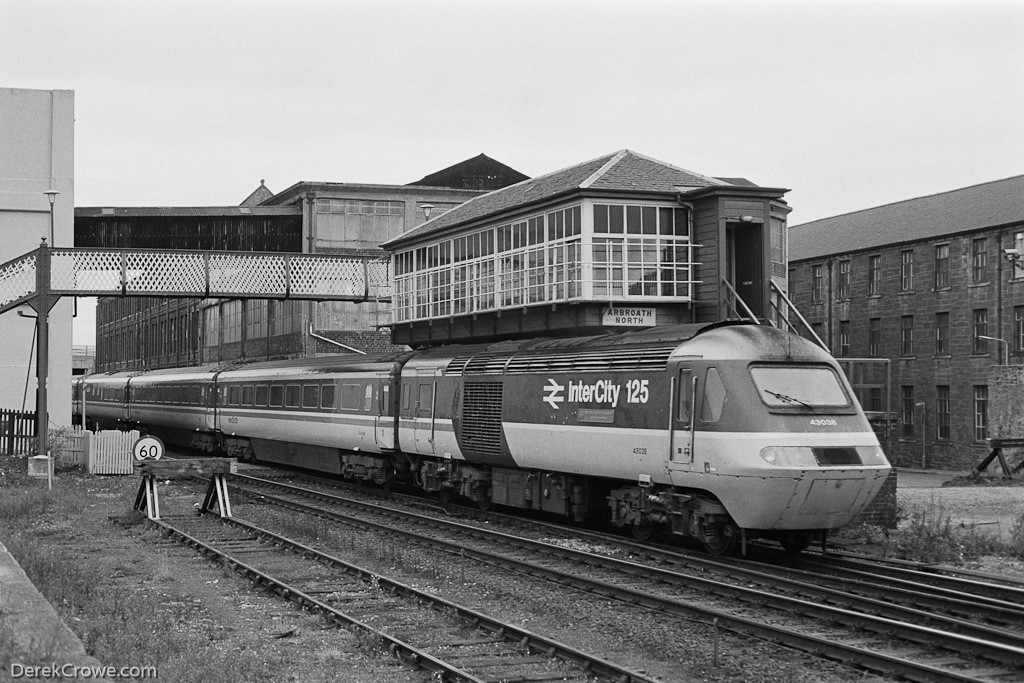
point(336, 218)
point(36, 156)
point(935, 285)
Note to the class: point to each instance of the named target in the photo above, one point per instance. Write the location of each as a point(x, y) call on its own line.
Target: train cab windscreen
point(790, 386)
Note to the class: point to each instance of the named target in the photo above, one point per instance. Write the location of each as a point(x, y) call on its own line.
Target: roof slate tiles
point(1000, 202)
point(622, 171)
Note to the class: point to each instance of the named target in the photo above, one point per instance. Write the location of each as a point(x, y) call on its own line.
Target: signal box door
point(745, 263)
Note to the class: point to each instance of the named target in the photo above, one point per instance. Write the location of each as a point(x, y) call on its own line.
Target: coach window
point(262, 394)
point(385, 402)
point(233, 395)
point(406, 397)
point(277, 396)
point(247, 396)
point(326, 395)
point(424, 400)
point(310, 396)
point(714, 397)
point(685, 398)
point(368, 398)
point(292, 395)
point(351, 396)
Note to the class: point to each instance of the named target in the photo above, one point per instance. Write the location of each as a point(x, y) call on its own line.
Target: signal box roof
point(623, 171)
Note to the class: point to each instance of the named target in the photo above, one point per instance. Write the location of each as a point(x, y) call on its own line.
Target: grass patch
point(929, 534)
point(121, 628)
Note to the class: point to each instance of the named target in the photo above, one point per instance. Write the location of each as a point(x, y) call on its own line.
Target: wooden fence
point(69, 451)
point(17, 432)
point(110, 452)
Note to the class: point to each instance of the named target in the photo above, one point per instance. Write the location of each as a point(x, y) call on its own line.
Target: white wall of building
point(36, 154)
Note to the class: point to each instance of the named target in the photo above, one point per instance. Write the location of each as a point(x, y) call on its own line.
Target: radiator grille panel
point(481, 418)
point(607, 360)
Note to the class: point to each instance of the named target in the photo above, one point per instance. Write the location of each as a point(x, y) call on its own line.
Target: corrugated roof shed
point(143, 211)
point(620, 171)
point(1000, 202)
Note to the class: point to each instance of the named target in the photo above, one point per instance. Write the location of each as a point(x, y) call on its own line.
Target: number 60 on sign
point(148, 447)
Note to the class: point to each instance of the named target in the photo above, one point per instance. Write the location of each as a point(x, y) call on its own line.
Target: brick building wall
point(883, 510)
point(863, 306)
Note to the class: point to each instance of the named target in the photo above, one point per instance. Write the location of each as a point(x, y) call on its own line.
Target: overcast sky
point(848, 104)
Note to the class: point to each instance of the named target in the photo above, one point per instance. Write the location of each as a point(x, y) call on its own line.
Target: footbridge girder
point(183, 273)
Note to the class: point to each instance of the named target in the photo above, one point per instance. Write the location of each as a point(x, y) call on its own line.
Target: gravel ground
point(233, 627)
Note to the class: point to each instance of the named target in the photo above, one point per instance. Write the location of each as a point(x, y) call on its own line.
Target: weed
point(21, 505)
point(928, 534)
point(1015, 545)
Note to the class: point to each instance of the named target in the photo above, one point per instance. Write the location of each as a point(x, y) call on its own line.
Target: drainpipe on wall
point(924, 433)
point(999, 293)
point(831, 323)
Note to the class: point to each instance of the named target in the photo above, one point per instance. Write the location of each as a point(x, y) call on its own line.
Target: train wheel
point(795, 541)
point(485, 504)
point(446, 495)
point(642, 531)
point(721, 544)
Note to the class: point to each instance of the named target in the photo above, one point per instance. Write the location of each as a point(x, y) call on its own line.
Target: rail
point(734, 302)
point(792, 309)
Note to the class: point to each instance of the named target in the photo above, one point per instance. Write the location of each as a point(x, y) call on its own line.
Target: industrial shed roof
point(143, 211)
point(1000, 202)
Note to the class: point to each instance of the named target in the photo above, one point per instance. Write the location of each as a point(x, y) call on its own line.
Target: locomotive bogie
point(376, 468)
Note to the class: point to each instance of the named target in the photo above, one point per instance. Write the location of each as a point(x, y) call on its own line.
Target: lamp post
point(51, 195)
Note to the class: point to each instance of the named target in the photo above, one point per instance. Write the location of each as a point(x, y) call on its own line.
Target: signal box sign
point(627, 316)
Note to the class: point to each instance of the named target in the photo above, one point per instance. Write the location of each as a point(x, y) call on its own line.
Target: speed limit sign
point(148, 447)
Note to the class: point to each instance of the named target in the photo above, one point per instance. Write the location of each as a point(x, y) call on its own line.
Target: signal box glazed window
point(803, 386)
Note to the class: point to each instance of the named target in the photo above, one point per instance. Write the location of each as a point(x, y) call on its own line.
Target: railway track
point(950, 590)
point(453, 642)
point(868, 628)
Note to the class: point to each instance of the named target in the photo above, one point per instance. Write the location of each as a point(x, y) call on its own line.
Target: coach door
point(425, 413)
point(680, 442)
point(384, 420)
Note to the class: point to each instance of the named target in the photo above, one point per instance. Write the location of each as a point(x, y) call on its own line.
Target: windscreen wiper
point(788, 399)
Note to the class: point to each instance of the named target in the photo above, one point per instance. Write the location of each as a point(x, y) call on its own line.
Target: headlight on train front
point(789, 456)
point(823, 456)
point(872, 455)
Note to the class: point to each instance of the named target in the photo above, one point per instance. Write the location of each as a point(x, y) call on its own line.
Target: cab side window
point(714, 396)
